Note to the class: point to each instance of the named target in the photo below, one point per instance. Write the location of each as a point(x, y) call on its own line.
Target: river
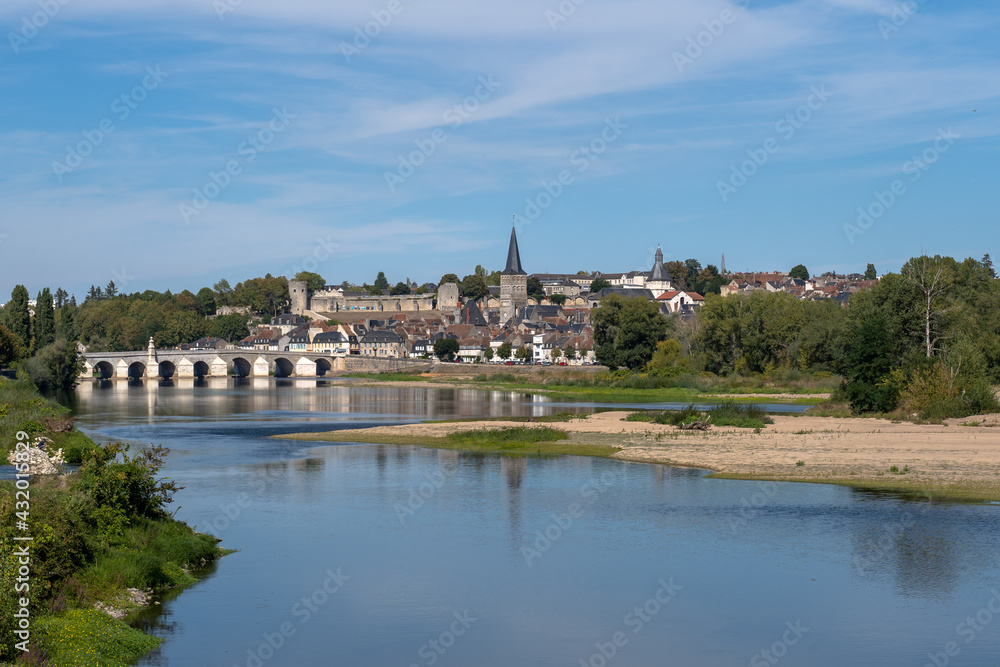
point(369, 555)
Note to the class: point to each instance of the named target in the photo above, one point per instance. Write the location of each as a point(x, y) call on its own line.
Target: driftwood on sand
point(700, 425)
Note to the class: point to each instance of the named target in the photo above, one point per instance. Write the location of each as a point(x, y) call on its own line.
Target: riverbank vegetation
point(728, 413)
point(23, 409)
point(97, 533)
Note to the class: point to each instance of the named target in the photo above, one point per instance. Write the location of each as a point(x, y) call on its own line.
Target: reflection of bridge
point(239, 363)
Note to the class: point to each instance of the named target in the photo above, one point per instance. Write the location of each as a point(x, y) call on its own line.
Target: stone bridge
point(236, 362)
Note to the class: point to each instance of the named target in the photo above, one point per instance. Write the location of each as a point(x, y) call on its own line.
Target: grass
point(728, 413)
point(23, 409)
point(896, 487)
point(557, 417)
point(513, 440)
point(87, 637)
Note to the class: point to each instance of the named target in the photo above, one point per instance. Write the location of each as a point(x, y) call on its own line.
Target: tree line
point(923, 341)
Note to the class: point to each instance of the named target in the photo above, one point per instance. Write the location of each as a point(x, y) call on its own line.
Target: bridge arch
point(167, 369)
point(200, 369)
point(242, 368)
point(104, 370)
point(323, 366)
point(283, 368)
point(136, 370)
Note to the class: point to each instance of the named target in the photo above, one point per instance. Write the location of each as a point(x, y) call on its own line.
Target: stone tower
point(513, 282)
point(298, 294)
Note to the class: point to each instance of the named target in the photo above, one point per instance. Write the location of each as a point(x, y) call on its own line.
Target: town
point(526, 319)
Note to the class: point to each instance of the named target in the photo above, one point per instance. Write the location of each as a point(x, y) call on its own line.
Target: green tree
point(10, 347)
point(61, 297)
point(504, 350)
point(231, 328)
point(799, 271)
point(988, 265)
point(223, 293)
point(381, 282)
point(45, 319)
point(693, 268)
point(870, 272)
point(678, 272)
point(111, 290)
point(449, 278)
point(535, 288)
point(17, 318)
point(474, 287)
point(557, 299)
point(933, 276)
point(205, 299)
point(570, 352)
point(598, 284)
point(523, 353)
point(66, 323)
point(556, 353)
point(626, 331)
point(314, 281)
point(446, 348)
point(480, 271)
point(667, 355)
point(55, 366)
point(867, 365)
point(488, 353)
point(400, 289)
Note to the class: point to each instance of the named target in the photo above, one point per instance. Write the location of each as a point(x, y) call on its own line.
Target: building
point(658, 280)
point(678, 301)
point(513, 282)
point(332, 342)
point(382, 344)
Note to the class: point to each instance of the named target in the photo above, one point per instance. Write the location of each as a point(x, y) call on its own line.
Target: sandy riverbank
point(956, 460)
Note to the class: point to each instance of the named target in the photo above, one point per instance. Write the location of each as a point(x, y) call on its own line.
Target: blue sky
point(407, 150)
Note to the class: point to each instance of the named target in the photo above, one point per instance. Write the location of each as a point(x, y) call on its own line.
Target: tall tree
point(45, 319)
point(626, 331)
point(474, 287)
point(504, 350)
point(205, 299)
point(987, 263)
point(870, 272)
point(10, 347)
point(449, 278)
point(678, 273)
point(799, 271)
point(693, 267)
point(400, 289)
point(72, 301)
point(111, 291)
point(934, 277)
point(17, 317)
point(535, 288)
point(55, 366)
point(381, 282)
point(223, 293)
point(60, 297)
point(66, 322)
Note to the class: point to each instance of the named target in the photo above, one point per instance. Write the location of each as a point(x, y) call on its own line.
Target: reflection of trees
point(513, 468)
point(913, 548)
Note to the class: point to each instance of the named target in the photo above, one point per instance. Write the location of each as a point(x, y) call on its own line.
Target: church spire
point(658, 274)
point(513, 256)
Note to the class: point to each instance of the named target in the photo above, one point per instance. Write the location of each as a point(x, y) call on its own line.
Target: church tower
point(658, 280)
point(513, 282)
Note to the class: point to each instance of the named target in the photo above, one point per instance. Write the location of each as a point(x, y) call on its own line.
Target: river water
point(369, 555)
